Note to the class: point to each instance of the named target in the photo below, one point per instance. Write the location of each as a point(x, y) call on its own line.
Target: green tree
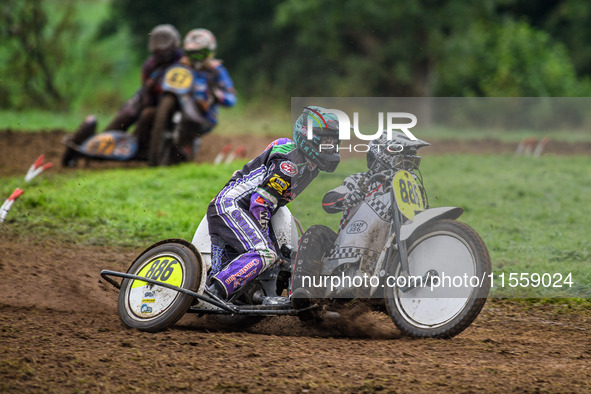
point(34, 47)
point(308, 47)
point(380, 47)
point(508, 59)
point(566, 21)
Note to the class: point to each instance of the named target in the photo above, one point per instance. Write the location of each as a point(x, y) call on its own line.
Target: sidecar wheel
point(150, 307)
point(444, 249)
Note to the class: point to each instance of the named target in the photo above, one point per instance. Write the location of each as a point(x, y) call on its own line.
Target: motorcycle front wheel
point(447, 285)
point(152, 308)
point(162, 147)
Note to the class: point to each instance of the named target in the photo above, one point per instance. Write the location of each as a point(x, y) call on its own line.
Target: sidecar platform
point(109, 145)
point(220, 307)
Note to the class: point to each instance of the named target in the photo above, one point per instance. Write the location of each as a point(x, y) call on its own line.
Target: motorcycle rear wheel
point(313, 245)
point(446, 249)
point(162, 148)
point(153, 308)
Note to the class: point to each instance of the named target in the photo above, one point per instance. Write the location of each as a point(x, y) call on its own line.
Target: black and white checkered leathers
point(380, 206)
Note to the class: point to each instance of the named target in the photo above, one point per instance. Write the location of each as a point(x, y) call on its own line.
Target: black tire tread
point(314, 243)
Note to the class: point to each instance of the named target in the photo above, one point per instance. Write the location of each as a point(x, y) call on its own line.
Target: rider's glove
point(259, 208)
point(218, 95)
point(353, 198)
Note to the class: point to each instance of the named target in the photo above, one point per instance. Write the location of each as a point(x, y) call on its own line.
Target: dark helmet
point(398, 152)
point(164, 38)
point(378, 158)
point(322, 147)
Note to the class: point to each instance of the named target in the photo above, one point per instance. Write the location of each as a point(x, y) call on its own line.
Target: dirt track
point(59, 332)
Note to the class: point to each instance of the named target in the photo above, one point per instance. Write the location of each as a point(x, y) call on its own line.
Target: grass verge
point(533, 214)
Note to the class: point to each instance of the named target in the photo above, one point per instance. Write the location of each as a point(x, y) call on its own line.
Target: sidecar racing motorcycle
point(408, 257)
point(164, 143)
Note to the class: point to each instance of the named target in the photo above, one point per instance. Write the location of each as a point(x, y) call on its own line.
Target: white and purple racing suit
point(239, 215)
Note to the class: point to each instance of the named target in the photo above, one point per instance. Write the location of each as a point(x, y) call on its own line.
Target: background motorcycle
point(418, 244)
point(179, 86)
point(176, 85)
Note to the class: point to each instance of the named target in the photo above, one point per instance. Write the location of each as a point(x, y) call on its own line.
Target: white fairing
point(365, 234)
point(282, 222)
point(202, 242)
point(285, 227)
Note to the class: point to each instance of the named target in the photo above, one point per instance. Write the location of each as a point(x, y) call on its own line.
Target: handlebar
point(380, 176)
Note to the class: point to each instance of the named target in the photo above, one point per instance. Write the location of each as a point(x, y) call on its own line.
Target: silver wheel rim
point(450, 256)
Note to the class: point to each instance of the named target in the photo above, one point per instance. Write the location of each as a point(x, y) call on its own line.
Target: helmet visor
point(199, 55)
point(329, 144)
point(164, 55)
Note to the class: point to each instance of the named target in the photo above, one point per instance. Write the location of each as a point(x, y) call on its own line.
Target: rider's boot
point(84, 132)
point(217, 290)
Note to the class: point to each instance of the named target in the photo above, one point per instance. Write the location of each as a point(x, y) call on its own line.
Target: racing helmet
point(164, 39)
point(398, 153)
point(199, 46)
point(378, 157)
point(322, 148)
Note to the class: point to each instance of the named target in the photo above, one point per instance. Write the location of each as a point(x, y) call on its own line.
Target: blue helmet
point(322, 146)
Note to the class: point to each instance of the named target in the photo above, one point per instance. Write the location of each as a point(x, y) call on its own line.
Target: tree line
point(282, 48)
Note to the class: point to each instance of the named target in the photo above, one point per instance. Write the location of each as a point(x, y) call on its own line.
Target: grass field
point(244, 119)
point(533, 214)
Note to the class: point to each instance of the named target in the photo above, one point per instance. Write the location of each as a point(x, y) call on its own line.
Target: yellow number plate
point(163, 269)
point(179, 78)
point(408, 194)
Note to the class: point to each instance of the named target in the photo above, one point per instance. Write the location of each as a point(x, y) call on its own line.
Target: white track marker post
point(242, 152)
point(520, 148)
point(220, 157)
point(530, 144)
point(540, 147)
point(37, 168)
point(238, 152)
point(8, 203)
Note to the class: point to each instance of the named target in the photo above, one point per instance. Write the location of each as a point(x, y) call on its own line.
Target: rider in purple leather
point(239, 215)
